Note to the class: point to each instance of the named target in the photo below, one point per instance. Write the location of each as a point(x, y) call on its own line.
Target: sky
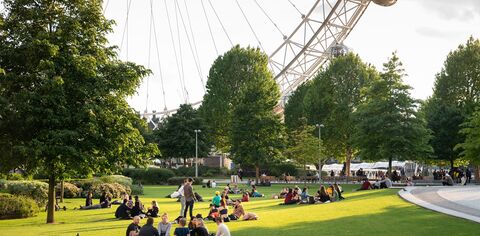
point(422, 32)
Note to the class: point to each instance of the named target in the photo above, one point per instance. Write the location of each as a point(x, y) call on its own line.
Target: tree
point(305, 148)
point(227, 76)
point(471, 147)
point(388, 125)
point(176, 134)
point(63, 95)
point(295, 111)
point(456, 94)
point(257, 136)
point(332, 100)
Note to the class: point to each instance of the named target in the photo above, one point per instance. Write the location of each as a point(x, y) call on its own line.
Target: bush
point(123, 180)
point(14, 207)
point(149, 175)
point(179, 180)
point(279, 169)
point(115, 190)
point(69, 190)
point(137, 189)
point(3, 184)
point(15, 176)
point(34, 189)
point(202, 171)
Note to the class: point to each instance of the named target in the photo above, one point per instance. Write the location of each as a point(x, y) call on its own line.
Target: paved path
point(460, 201)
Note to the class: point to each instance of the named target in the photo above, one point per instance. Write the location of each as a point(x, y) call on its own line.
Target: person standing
point(240, 174)
point(468, 174)
point(189, 197)
point(222, 229)
point(182, 197)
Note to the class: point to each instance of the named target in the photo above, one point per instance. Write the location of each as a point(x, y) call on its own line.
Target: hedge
point(149, 175)
point(115, 190)
point(179, 180)
point(123, 180)
point(15, 207)
point(202, 171)
point(69, 190)
point(34, 189)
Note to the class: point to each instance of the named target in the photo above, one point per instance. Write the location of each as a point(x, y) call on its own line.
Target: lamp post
point(319, 126)
point(196, 151)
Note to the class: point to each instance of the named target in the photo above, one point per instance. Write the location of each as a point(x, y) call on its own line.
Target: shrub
point(123, 180)
point(137, 189)
point(202, 171)
point(279, 169)
point(69, 190)
point(14, 207)
point(150, 175)
point(34, 189)
point(3, 184)
point(15, 176)
point(179, 180)
point(115, 190)
point(86, 184)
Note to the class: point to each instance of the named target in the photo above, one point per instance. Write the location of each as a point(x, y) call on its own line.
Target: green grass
point(376, 212)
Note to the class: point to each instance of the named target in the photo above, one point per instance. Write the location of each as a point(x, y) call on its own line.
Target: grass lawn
point(375, 212)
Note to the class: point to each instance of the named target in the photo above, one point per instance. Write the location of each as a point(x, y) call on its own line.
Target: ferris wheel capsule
point(384, 3)
point(339, 50)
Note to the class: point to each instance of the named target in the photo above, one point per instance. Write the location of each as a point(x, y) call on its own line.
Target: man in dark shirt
point(148, 229)
point(189, 197)
point(134, 228)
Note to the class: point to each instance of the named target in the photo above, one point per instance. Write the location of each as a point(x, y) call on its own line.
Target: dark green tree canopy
point(388, 125)
point(63, 94)
point(176, 134)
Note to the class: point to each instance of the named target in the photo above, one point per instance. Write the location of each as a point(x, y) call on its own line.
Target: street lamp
point(196, 151)
point(319, 126)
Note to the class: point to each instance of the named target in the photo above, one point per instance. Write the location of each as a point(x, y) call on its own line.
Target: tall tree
point(456, 94)
point(63, 95)
point(227, 76)
point(388, 125)
point(295, 112)
point(176, 134)
point(304, 147)
point(257, 136)
point(471, 147)
point(332, 100)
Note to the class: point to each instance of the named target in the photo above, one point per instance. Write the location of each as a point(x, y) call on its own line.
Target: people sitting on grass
point(222, 229)
point(137, 209)
point(333, 193)
point(216, 199)
point(385, 182)
point(255, 193)
point(198, 228)
point(235, 189)
point(103, 197)
point(339, 191)
point(212, 213)
point(164, 226)
point(447, 180)
point(153, 211)
point(133, 229)
point(238, 211)
point(214, 184)
point(283, 193)
point(105, 204)
point(366, 185)
point(245, 197)
point(182, 230)
point(304, 195)
point(322, 195)
point(124, 211)
point(198, 198)
point(148, 229)
point(290, 198)
point(89, 199)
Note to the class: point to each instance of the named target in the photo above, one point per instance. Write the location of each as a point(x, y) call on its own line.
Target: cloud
point(436, 33)
point(463, 10)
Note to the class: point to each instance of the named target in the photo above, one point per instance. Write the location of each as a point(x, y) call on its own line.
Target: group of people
point(384, 182)
point(129, 209)
point(455, 175)
point(296, 195)
point(220, 205)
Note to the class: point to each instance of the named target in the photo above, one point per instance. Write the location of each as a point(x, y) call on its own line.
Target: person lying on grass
point(104, 204)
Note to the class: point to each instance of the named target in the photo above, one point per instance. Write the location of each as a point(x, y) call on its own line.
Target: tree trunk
point(62, 190)
point(257, 173)
point(389, 167)
point(347, 161)
point(477, 174)
point(51, 200)
point(451, 163)
point(305, 178)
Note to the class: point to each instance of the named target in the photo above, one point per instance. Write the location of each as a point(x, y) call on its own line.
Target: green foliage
point(176, 134)
point(33, 189)
point(123, 180)
point(227, 77)
point(179, 180)
point(204, 171)
point(3, 185)
point(69, 190)
point(257, 134)
point(295, 110)
point(455, 96)
point(63, 101)
point(115, 190)
point(304, 147)
point(149, 175)
point(15, 176)
point(137, 189)
point(278, 169)
point(471, 146)
point(15, 207)
point(388, 125)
